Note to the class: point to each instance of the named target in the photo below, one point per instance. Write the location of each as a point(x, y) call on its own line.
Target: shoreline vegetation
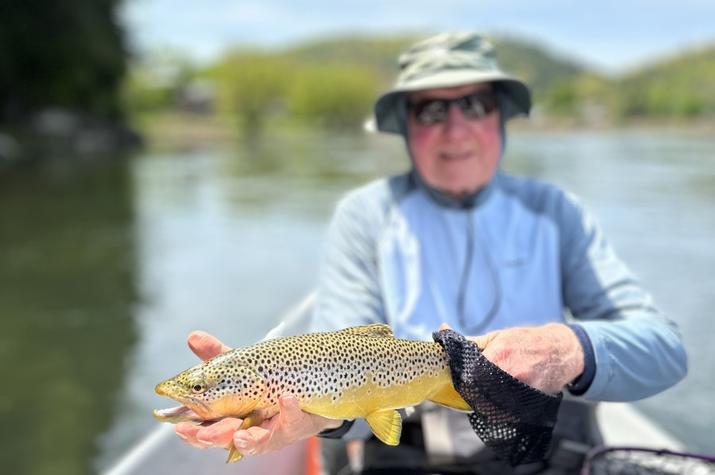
point(330, 84)
point(327, 85)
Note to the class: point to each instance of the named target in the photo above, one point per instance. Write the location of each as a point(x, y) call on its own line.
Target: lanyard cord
point(464, 284)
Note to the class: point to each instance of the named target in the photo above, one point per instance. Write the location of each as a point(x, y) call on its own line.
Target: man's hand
point(290, 425)
point(547, 357)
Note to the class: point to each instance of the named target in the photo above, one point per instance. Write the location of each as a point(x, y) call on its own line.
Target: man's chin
point(459, 192)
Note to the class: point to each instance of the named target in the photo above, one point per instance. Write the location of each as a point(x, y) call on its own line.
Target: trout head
point(218, 388)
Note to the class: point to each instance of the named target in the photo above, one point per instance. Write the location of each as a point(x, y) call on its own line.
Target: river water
point(105, 267)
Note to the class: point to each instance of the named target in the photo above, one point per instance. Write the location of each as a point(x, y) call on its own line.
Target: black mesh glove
point(512, 418)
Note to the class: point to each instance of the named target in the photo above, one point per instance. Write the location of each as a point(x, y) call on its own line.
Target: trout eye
point(198, 388)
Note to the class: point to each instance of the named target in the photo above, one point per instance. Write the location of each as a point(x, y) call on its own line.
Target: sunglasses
point(435, 111)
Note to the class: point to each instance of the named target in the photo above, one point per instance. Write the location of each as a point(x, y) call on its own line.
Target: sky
point(613, 36)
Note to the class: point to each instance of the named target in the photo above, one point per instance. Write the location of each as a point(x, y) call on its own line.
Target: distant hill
point(375, 53)
point(535, 64)
point(680, 86)
point(540, 68)
point(333, 82)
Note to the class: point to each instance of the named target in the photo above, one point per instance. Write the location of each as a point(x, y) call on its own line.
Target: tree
point(68, 54)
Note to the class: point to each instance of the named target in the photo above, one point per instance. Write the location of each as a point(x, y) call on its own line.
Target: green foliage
point(252, 87)
point(332, 95)
point(68, 54)
point(156, 82)
point(332, 82)
point(141, 95)
point(681, 87)
point(580, 97)
point(255, 87)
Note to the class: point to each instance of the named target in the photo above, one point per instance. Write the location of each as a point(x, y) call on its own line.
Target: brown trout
point(356, 372)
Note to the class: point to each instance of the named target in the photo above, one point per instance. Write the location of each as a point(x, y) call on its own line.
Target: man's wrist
point(582, 382)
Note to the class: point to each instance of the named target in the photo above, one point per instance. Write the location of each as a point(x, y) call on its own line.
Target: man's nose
point(456, 122)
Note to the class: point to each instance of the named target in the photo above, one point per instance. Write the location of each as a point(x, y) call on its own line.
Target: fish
point(358, 372)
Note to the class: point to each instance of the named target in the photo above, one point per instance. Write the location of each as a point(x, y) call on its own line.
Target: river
point(106, 266)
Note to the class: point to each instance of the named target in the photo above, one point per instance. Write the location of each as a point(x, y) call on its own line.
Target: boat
point(163, 452)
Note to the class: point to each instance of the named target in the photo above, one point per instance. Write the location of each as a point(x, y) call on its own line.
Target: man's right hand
point(290, 425)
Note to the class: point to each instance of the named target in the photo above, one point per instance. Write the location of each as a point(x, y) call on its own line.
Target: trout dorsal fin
point(376, 330)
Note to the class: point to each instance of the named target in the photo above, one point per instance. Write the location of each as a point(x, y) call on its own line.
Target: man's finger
point(482, 340)
point(206, 346)
point(219, 434)
point(187, 431)
point(445, 326)
point(259, 434)
point(252, 440)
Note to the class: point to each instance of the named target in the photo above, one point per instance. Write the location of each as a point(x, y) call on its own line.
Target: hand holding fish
point(277, 431)
point(547, 357)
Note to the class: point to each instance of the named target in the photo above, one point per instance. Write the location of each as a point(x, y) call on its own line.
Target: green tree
point(251, 87)
point(332, 96)
point(69, 54)
point(156, 82)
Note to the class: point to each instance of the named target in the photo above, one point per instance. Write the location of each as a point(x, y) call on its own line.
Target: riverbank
point(177, 131)
point(62, 133)
point(695, 127)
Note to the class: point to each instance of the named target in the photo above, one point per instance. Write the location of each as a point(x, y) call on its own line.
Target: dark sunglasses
point(435, 111)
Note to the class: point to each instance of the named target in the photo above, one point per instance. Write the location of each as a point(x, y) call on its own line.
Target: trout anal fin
point(386, 425)
point(449, 397)
point(253, 419)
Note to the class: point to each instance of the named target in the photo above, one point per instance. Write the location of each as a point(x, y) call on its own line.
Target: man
point(515, 262)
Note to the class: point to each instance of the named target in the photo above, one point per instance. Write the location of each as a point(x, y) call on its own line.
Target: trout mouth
point(177, 414)
point(193, 409)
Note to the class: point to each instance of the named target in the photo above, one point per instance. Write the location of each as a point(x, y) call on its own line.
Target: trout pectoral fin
point(386, 425)
point(448, 396)
point(253, 419)
point(233, 455)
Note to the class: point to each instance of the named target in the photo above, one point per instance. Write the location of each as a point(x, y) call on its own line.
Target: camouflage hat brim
point(513, 90)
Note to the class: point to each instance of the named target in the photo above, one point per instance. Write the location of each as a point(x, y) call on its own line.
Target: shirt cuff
point(338, 432)
point(581, 384)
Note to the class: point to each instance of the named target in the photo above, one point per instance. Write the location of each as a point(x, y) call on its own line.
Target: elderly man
point(515, 262)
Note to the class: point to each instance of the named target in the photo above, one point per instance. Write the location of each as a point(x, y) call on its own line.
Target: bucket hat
point(447, 60)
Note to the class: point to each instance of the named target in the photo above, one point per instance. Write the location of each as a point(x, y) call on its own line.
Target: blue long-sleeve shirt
point(527, 254)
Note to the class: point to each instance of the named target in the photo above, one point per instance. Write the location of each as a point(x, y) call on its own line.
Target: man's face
point(460, 154)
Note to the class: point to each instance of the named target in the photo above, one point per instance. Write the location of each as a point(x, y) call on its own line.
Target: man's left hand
point(546, 358)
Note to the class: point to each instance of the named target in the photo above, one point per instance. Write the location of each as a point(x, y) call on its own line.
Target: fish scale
point(356, 372)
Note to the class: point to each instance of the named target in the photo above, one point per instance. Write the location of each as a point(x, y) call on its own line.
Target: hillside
point(679, 86)
point(540, 68)
point(333, 82)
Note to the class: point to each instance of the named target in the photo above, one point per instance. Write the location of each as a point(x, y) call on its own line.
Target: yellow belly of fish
point(378, 403)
